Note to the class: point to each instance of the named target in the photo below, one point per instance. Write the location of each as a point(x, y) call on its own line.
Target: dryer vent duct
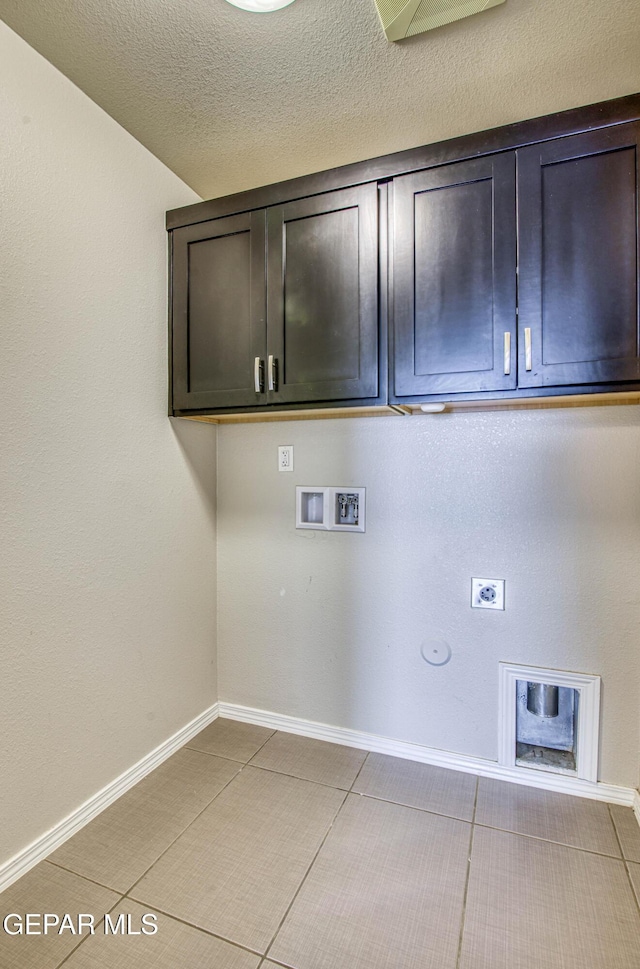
point(404, 18)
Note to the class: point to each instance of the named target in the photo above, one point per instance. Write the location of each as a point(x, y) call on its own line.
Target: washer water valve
point(349, 507)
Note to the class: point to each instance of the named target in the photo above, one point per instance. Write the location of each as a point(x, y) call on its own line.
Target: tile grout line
point(256, 752)
point(452, 817)
point(468, 875)
point(549, 841)
point(306, 874)
point(75, 948)
point(373, 797)
point(233, 760)
point(297, 777)
point(223, 938)
point(475, 801)
point(192, 925)
point(615, 829)
point(635, 893)
point(274, 770)
point(625, 860)
point(410, 807)
point(156, 860)
point(349, 791)
point(184, 830)
point(56, 864)
point(367, 755)
point(210, 753)
point(127, 895)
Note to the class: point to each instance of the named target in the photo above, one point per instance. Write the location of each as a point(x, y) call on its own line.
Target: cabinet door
point(219, 312)
point(578, 290)
point(454, 278)
point(322, 285)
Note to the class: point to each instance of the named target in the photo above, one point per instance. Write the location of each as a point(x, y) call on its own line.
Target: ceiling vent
point(404, 18)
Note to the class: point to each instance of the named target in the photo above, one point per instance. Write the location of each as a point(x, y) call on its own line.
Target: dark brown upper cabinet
point(454, 279)
point(219, 313)
point(578, 274)
point(505, 264)
point(322, 297)
point(278, 306)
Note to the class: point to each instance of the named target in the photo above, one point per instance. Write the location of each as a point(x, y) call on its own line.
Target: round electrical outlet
point(487, 593)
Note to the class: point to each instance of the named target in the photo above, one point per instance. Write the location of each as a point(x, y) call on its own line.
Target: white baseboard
point(21, 863)
point(439, 758)
point(38, 850)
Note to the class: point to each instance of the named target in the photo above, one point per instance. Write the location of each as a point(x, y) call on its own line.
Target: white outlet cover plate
point(285, 457)
point(487, 594)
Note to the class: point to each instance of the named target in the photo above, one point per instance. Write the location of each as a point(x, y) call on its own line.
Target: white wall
point(330, 626)
point(107, 517)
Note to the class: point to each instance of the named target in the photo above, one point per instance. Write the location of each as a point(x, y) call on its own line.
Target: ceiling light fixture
point(260, 6)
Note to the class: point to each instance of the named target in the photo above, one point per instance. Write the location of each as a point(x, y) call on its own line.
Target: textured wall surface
point(107, 571)
point(330, 626)
point(230, 100)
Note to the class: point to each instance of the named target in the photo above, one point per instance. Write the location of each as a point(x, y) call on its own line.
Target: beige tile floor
point(258, 849)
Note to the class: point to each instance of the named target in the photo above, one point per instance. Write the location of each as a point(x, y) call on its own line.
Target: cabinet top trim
point(507, 137)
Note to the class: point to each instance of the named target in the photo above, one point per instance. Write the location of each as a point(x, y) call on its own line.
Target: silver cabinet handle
point(257, 375)
point(507, 352)
point(527, 348)
point(273, 372)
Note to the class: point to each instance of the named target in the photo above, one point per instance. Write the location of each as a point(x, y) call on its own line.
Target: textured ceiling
point(230, 100)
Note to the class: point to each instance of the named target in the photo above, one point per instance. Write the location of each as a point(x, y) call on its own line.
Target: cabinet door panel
point(578, 211)
point(322, 286)
point(454, 281)
point(218, 312)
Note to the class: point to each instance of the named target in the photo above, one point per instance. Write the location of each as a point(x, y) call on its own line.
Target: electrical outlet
point(487, 594)
point(285, 457)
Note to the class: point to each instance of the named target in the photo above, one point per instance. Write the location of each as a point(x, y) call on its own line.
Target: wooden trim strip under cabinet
point(413, 410)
